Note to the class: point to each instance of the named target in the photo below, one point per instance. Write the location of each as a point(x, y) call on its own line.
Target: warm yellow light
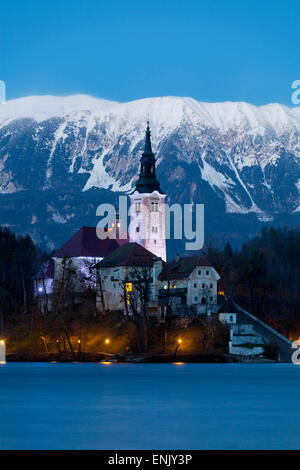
point(107, 341)
point(79, 341)
point(128, 286)
point(179, 341)
point(2, 341)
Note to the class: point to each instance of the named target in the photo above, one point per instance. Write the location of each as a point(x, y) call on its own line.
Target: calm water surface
point(149, 406)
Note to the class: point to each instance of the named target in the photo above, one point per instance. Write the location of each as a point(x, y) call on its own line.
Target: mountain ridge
point(236, 158)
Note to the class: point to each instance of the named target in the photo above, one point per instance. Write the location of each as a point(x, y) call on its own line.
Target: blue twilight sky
point(123, 50)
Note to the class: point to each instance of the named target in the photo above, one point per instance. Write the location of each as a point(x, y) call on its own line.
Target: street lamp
point(107, 342)
point(179, 341)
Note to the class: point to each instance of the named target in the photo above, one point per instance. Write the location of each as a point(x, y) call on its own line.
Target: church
point(186, 285)
point(189, 283)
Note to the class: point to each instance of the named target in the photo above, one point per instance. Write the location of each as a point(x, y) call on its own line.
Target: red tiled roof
point(130, 254)
point(86, 243)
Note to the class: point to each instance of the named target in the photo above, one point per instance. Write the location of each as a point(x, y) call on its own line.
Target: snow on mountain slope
point(45, 107)
point(222, 116)
point(235, 157)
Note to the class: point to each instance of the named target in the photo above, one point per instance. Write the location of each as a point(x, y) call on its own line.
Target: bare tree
point(136, 301)
point(100, 285)
point(63, 296)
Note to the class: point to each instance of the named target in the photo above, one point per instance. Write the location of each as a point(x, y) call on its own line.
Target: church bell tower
point(147, 206)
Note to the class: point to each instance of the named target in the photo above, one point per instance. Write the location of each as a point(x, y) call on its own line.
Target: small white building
point(189, 285)
point(117, 274)
point(74, 265)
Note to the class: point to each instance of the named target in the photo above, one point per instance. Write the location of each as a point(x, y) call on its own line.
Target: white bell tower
point(147, 206)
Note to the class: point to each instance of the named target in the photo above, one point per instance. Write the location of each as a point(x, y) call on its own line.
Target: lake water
point(149, 406)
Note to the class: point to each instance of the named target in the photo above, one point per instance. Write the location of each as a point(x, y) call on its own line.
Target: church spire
point(147, 182)
point(148, 147)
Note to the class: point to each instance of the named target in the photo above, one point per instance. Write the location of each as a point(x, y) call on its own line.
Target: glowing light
point(165, 287)
point(107, 341)
point(2, 341)
point(128, 286)
point(79, 341)
point(178, 363)
point(179, 341)
point(105, 362)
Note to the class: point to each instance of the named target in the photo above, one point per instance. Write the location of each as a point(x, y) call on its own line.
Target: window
point(195, 299)
point(211, 286)
point(137, 229)
point(211, 299)
point(203, 286)
point(203, 301)
point(207, 273)
point(154, 206)
point(137, 207)
point(128, 286)
point(195, 285)
point(154, 229)
point(199, 272)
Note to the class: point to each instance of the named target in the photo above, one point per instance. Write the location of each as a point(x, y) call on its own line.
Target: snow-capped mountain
point(61, 157)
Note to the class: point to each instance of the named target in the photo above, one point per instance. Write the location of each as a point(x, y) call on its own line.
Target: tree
point(63, 296)
point(136, 302)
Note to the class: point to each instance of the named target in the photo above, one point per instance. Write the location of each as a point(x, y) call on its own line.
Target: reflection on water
point(149, 406)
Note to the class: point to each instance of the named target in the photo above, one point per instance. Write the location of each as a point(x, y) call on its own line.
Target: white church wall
point(147, 226)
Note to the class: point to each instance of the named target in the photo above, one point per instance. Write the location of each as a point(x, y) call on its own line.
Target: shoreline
point(135, 359)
